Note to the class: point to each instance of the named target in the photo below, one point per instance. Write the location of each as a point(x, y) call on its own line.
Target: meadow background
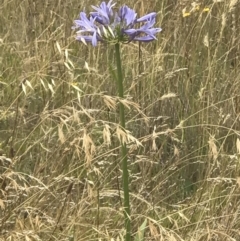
point(60, 168)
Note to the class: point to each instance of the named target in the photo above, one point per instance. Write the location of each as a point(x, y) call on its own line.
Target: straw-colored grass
point(60, 168)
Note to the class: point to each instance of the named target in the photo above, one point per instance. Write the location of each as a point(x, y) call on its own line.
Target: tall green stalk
point(123, 146)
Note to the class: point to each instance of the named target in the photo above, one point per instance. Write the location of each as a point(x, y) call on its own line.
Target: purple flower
point(127, 16)
point(86, 26)
point(104, 13)
point(123, 26)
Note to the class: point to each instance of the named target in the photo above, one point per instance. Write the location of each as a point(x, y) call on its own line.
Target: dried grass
point(60, 172)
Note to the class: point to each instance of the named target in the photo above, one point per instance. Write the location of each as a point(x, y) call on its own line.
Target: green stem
point(123, 146)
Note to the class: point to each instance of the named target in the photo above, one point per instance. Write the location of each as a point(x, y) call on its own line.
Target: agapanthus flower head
point(107, 25)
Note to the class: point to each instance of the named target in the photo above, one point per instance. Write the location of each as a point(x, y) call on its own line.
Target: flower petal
point(127, 15)
point(144, 39)
point(103, 12)
point(146, 17)
point(94, 39)
point(130, 31)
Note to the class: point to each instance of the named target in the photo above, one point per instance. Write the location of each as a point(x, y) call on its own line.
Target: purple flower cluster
point(106, 25)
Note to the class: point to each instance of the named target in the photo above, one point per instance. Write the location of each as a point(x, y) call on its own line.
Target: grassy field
point(60, 168)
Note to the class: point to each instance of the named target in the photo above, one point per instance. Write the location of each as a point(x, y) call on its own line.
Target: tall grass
point(61, 173)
